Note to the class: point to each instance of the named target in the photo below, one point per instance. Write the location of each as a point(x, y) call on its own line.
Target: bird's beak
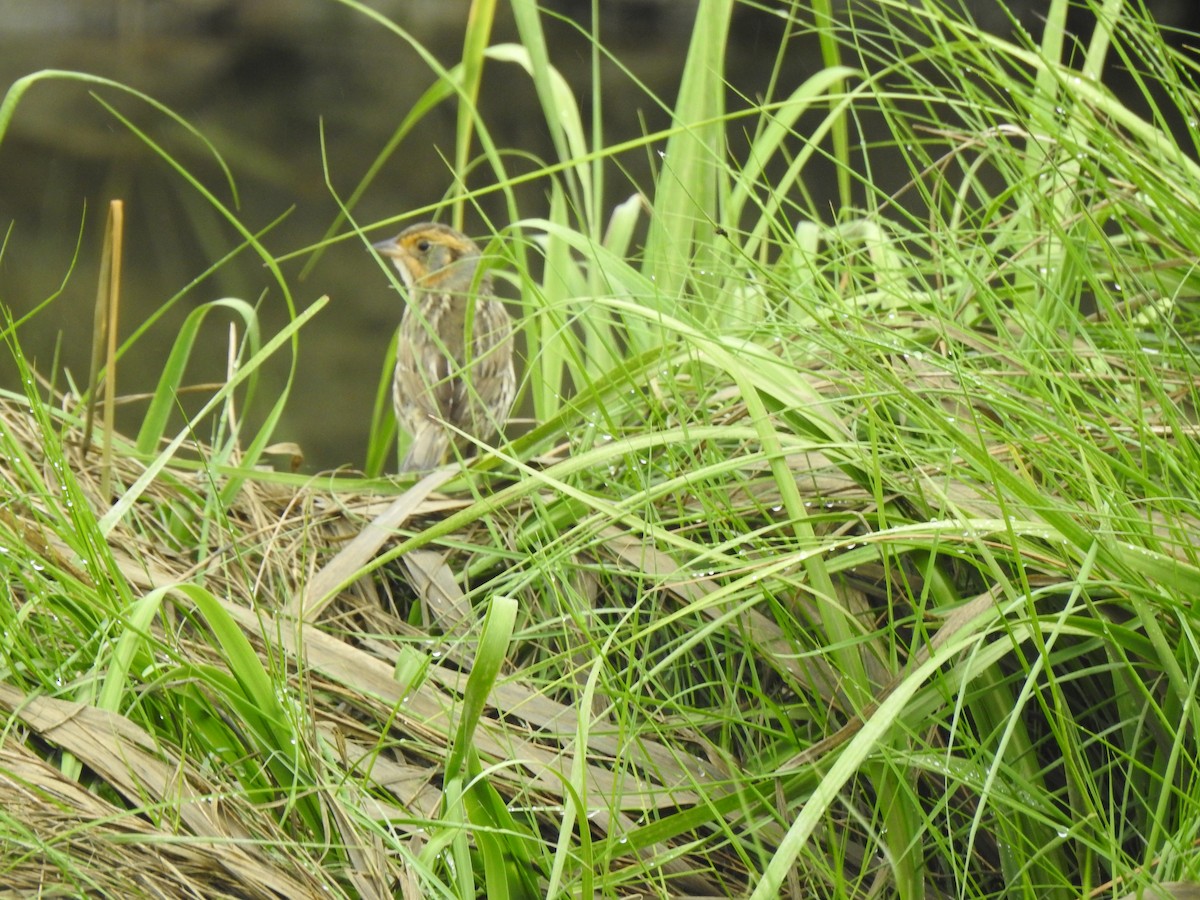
point(387, 248)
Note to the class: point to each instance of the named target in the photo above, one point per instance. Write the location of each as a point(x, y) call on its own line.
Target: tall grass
point(852, 554)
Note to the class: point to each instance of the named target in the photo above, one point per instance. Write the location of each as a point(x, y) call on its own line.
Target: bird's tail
point(427, 450)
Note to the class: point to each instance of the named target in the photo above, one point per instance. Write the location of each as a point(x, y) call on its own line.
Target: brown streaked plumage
point(454, 359)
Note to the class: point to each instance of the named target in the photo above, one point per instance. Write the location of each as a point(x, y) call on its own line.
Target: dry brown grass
point(145, 818)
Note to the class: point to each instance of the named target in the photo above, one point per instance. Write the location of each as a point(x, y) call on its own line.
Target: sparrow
point(454, 381)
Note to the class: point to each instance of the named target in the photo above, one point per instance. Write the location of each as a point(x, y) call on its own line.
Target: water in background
point(256, 79)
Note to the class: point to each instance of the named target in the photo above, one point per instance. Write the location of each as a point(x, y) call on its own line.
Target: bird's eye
point(423, 245)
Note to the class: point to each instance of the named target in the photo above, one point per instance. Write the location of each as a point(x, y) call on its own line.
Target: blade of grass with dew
point(70, 517)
